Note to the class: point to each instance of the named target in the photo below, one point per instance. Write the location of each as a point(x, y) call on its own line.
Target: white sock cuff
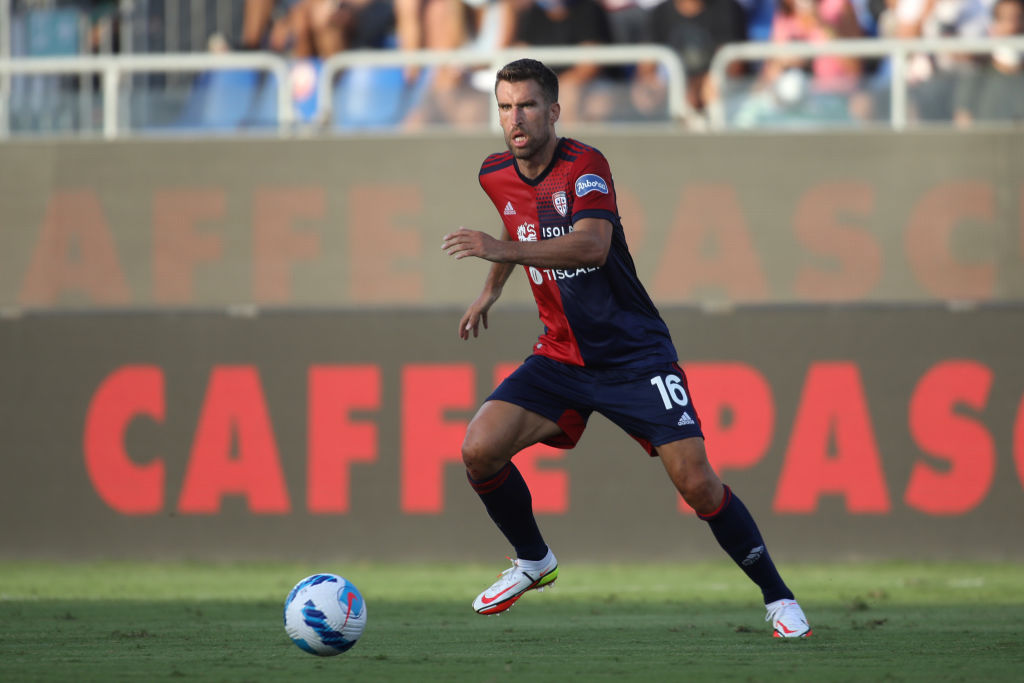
point(535, 565)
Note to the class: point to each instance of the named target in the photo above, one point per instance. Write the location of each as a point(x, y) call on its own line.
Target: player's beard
point(537, 140)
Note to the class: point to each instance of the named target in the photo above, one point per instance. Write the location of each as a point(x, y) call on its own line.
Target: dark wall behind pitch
point(853, 432)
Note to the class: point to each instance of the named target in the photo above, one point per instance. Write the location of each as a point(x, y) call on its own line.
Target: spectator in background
point(695, 29)
point(935, 18)
point(760, 14)
point(585, 92)
point(932, 78)
point(432, 24)
point(265, 24)
point(256, 22)
point(104, 25)
point(995, 90)
point(630, 20)
point(799, 92)
point(817, 21)
point(322, 28)
point(447, 92)
point(451, 24)
point(494, 23)
point(787, 102)
point(310, 32)
point(316, 28)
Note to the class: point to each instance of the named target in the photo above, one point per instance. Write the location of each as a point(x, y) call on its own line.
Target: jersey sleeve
point(489, 173)
point(592, 188)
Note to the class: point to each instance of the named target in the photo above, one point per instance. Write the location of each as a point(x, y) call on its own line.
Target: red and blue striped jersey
point(593, 317)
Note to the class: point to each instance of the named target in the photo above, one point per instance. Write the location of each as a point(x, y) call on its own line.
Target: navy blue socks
point(737, 533)
point(509, 503)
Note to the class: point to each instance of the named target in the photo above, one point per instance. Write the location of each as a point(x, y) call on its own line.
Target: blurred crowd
point(960, 88)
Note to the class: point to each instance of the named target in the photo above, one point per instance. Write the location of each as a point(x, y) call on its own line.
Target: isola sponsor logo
point(590, 183)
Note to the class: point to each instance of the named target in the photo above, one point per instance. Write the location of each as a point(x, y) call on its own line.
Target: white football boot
point(788, 619)
point(513, 583)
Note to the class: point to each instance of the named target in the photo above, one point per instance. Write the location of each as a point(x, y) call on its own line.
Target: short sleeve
point(592, 189)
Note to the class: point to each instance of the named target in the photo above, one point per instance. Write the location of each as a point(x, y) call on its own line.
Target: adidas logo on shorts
point(685, 420)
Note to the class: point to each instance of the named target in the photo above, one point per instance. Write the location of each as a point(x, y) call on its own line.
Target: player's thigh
point(500, 429)
point(652, 405)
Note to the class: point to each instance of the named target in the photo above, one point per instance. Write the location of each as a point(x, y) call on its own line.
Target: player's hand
point(471, 323)
point(474, 316)
point(464, 242)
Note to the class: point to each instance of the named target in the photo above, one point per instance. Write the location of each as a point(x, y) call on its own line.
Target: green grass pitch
point(703, 622)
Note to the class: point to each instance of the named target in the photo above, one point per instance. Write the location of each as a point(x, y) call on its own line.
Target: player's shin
point(509, 503)
point(735, 530)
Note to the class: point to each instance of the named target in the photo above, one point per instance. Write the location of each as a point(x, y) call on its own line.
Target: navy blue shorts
point(652, 405)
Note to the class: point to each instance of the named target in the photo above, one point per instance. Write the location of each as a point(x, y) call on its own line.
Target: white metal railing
point(605, 55)
point(897, 50)
point(111, 69)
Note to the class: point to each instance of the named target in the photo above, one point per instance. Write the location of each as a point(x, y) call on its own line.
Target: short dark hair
point(530, 70)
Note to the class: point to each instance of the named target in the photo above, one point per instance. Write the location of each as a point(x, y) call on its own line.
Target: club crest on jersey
point(527, 232)
point(561, 203)
point(590, 183)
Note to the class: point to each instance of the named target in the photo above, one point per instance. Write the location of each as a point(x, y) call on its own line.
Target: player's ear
point(554, 112)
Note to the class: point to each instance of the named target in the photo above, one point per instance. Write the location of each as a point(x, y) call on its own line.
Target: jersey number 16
point(671, 389)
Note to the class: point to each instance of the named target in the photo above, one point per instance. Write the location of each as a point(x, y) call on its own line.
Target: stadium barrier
point(111, 71)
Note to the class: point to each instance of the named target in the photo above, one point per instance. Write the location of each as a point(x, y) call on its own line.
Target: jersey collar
point(544, 173)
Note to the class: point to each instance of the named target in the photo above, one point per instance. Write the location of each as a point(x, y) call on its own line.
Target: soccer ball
point(324, 615)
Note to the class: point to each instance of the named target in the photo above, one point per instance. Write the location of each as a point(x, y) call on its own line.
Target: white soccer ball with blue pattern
point(324, 615)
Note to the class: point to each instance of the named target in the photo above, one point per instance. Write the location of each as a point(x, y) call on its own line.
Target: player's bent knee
point(480, 459)
point(704, 495)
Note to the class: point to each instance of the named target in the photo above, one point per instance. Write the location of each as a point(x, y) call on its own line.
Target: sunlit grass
point(117, 621)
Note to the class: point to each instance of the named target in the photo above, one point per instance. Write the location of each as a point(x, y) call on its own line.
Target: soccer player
point(604, 347)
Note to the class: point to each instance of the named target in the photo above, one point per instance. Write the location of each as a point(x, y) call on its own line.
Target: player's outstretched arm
point(587, 245)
